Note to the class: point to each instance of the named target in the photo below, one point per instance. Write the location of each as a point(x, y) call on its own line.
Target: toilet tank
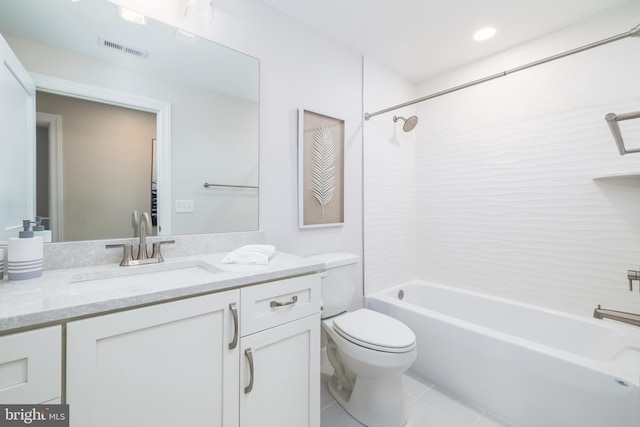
point(338, 281)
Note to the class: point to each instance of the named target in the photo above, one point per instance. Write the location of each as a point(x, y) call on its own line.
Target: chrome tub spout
point(620, 316)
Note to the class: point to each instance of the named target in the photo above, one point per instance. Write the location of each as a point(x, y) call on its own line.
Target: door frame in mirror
point(53, 124)
point(162, 109)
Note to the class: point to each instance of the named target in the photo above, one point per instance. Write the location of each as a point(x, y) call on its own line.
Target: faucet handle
point(156, 254)
point(127, 254)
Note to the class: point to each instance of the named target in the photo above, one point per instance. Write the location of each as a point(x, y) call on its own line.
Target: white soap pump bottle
point(25, 257)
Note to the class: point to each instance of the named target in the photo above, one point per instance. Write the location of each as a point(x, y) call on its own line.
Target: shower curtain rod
point(634, 32)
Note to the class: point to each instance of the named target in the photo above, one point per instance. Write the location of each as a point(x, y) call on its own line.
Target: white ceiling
point(422, 38)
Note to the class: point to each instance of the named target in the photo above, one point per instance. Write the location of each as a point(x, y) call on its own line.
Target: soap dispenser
point(39, 230)
point(25, 257)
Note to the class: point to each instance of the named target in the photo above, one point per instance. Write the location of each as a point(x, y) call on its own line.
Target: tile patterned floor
point(427, 406)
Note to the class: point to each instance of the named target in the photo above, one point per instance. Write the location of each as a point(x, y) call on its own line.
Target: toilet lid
point(375, 330)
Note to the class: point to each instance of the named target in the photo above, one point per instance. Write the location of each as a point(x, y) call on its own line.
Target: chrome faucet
point(620, 316)
point(135, 223)
point(143, 227)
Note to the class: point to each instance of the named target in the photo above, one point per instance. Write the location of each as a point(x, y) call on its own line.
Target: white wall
point(506, 201)
point(298, 69)
point(389, 181)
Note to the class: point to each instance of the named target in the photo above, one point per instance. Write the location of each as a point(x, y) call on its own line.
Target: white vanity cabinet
point(31, 366)
point(248, 357)
point(171, 364)
point(280, 351)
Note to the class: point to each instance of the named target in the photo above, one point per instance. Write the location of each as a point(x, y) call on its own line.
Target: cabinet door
point(31, 366)
point(283, 388)
point(163, 365)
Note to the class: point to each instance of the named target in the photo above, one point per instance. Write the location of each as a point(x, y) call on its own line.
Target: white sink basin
point(143, 275)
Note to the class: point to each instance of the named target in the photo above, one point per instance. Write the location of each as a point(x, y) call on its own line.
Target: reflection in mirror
point(96, 137)
point(200, 102)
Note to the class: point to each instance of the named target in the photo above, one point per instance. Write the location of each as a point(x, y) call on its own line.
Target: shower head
point(409, 123)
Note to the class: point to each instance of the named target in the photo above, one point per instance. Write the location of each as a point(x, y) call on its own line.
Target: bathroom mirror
point(204, 96)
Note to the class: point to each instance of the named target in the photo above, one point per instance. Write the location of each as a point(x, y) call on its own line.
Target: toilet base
point(373, 402)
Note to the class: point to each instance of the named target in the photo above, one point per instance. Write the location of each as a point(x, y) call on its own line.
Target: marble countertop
point(62, 295)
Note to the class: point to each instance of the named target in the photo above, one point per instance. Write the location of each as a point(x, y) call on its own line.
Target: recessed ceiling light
point(484, 34)
point(131, 16)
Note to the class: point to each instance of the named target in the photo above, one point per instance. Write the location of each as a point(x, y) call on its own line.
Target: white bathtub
point(532, 366)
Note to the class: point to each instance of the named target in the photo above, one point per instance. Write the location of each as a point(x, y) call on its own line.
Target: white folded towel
point(250, 254)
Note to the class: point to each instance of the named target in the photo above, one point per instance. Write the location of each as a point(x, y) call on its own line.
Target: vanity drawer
point(31, 366)
point(270, 304)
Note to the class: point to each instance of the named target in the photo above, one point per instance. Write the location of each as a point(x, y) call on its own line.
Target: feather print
point(323, 171)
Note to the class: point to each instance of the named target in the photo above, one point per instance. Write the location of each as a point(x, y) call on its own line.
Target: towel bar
point(207, 185)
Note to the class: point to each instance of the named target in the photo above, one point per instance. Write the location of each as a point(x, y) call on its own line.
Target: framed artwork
point(320, 170)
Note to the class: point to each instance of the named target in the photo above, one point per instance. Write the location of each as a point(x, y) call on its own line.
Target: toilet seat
point(375, 331)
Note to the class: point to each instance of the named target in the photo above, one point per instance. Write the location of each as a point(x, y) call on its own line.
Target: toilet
point(368, 350)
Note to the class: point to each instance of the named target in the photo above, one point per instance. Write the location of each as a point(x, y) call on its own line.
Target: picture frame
point(320, 170)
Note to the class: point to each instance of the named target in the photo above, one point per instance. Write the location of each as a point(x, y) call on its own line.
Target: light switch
point(184, 206)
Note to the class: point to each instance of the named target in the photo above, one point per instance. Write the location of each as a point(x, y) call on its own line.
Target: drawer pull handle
point(234, 312)
point(249, 356)
point(294, 299)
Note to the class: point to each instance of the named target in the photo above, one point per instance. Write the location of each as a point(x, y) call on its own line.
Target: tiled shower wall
point(506, 201)
point(389, 182)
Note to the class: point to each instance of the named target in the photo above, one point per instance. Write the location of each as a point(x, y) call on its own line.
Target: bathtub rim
point(615, 365)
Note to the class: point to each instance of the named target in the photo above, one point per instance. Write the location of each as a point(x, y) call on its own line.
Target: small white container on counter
point(25, 257)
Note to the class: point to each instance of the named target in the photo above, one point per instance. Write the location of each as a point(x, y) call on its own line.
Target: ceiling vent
point(139, 53)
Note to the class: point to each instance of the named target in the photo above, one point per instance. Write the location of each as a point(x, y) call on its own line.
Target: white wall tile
point(389, 189)
point(505, 200)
